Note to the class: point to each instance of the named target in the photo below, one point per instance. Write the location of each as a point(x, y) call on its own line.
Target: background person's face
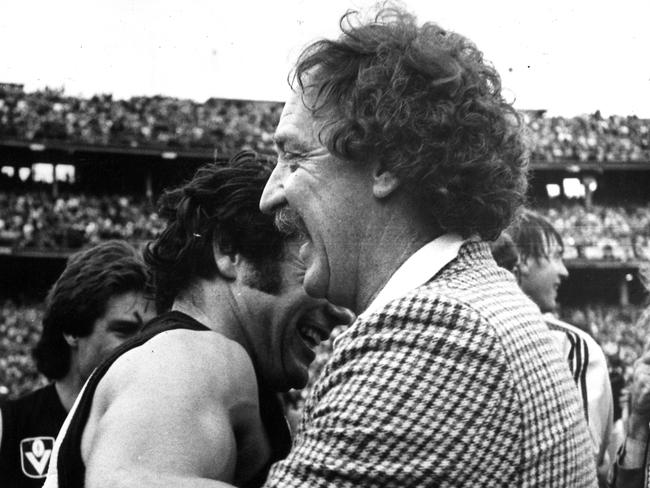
point(330, 196)
point(125, 314)
point(540, 279)
point(284, 328)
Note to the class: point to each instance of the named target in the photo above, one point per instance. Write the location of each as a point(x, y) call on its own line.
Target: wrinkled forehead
point(298, 121)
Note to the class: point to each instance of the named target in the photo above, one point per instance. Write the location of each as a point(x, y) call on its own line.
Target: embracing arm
point(163, 417)
point(394, 407)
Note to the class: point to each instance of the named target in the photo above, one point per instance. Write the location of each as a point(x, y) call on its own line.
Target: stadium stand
point(617, 233)
point(37, 220)
point(50, 115)
point(229, 125)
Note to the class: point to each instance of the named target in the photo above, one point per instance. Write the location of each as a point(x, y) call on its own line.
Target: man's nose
point(562, 271)
point(339, 315)
point(273, 195)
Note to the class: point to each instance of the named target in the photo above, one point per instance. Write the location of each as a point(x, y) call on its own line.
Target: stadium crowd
point(589, 138)
point(37, 220)
point(230, 125)
point(620, 233)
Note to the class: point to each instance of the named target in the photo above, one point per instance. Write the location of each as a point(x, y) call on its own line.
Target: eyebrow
point(278, 141)
point(283, 139)
point(122, 324)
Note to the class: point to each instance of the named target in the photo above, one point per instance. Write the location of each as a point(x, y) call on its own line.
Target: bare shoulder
point(182, 362)
point(181, 392)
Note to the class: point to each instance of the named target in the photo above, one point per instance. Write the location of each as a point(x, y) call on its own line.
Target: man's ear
point(384, 182)
point(227, 264)
point(71, 340)
point(522, 269)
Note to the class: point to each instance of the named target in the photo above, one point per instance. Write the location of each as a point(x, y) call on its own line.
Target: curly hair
point(423, 102)
point(219, 205)
point(533, 235)
point(80, 296)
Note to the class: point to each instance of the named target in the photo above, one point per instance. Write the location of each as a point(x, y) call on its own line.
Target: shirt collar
point(418, 269)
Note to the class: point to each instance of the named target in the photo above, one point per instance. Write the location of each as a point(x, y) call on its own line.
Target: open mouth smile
point(311, 333)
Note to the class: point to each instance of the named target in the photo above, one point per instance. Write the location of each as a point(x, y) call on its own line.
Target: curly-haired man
point(100, 300)
point(398, 158)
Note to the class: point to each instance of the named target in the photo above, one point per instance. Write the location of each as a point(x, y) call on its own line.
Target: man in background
point(398, 159)
point(99, 301)
point(532, 249)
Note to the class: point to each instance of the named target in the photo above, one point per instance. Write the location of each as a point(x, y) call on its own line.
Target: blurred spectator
point(20, 328)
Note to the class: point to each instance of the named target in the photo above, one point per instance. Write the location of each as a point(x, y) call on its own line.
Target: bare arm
point(163, 415)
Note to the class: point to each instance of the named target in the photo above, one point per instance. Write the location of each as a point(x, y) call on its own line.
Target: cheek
point(110, 343)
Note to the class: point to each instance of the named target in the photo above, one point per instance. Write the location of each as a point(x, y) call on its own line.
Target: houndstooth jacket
point(455, 384)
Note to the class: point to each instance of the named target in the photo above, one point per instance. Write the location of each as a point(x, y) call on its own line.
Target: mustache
point(290, 224)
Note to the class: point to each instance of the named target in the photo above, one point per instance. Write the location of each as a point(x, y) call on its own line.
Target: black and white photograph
point(352, 243)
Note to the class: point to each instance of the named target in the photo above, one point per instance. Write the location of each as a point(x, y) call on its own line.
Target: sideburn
point(265, 277)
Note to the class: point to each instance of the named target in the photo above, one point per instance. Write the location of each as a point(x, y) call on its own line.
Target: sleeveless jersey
point(69, 463)
point(29, 426)
point(588, 366)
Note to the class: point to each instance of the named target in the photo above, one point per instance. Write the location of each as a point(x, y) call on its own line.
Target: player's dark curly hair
point(219, 205)
point(422, 101)
point(80, 296)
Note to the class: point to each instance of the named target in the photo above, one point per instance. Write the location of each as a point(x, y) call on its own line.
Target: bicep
point(163, 435)
point(161, 426)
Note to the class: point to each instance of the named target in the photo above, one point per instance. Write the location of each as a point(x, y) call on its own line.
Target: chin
point(288, 382)
point(298, 381)
point(299, 384)
point(549, 308)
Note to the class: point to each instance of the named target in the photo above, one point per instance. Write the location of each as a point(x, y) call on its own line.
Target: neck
point(397, 238)
point(69, 387)
point(213, 304)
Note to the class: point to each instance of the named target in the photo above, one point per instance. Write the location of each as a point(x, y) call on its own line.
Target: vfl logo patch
point(35, 455)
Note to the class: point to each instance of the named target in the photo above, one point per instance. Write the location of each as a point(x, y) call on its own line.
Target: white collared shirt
point(418, 269)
